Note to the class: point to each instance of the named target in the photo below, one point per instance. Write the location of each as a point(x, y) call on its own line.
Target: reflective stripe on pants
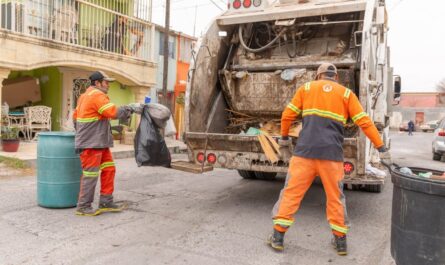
point(302, 172)
point(95, 163)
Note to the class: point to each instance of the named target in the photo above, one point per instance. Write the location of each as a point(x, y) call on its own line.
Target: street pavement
point(181, 218)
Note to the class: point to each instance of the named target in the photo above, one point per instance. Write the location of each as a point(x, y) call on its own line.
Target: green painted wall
point(50, 88)
point(92, 18)
point(121, 95)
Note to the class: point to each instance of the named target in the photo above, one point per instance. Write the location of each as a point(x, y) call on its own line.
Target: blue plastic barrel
point(58, 170)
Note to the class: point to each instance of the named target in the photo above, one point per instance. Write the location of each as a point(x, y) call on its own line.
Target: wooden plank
point(295, 131)
point(268, 150)
point(190, 167)
point(274, 144)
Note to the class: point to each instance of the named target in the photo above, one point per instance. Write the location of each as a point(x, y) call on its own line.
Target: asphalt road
point(182, 218)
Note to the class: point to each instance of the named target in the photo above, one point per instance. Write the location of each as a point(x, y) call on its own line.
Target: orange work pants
point(301, 174)
point(95, 163)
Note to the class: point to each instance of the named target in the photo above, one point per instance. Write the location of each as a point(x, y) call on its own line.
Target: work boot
point(87, 211)
point(339, 243)
point(110, 207)
point(276, 240)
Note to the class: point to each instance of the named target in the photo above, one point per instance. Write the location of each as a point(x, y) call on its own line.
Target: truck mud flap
point(190, 167)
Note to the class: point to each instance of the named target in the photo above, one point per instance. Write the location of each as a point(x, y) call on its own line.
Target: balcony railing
point(120, 27)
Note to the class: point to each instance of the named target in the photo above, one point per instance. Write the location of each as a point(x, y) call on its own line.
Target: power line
point(215, 4)
point(395, 5)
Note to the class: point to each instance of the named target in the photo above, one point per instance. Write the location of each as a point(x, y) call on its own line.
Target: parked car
point(404, 127)
point(439, 141)
point(429, 126)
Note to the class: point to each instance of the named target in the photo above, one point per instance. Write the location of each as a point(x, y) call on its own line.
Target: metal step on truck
point(253, 57)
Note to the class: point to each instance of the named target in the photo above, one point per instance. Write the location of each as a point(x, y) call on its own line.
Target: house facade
point(420, 107)
point(180, 48)
point(59, 43)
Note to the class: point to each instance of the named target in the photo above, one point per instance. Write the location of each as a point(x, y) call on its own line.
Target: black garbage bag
point(149, 145)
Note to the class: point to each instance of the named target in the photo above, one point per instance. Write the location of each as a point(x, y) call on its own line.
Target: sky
point(416, 35)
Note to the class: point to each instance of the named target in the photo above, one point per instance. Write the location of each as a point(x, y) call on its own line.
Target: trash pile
point(370, 170)
point(240, 123)
point(428, 175)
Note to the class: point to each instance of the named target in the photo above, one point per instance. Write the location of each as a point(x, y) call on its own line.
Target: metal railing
point(121, 27)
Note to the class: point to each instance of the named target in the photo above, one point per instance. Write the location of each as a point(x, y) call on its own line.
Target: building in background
point(180, 48)
point(56, 44)
point(420, 107)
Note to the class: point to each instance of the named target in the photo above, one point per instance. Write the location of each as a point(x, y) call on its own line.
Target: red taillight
point(211, 158)
point(201, 157)
point(247, 3)
point(237, 4)
point(256, 3)
point(441, 133)
point(348, 167)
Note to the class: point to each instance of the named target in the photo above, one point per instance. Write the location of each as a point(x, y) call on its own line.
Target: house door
point(75, 82)
point(420, 116)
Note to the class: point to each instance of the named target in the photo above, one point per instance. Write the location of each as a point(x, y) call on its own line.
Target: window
point(185, 50)
point(171, 46)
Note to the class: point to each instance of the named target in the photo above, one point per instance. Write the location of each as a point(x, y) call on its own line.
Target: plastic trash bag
point(159, 114)
point(290, 74)
point(170, 128)
point(374, 171)
point(149, 146)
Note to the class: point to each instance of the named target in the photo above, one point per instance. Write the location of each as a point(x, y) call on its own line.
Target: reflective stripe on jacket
point(325, 107)
point(92, 117)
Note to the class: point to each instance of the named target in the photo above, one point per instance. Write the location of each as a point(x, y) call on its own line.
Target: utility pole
point(194, 24)
point(166, 53)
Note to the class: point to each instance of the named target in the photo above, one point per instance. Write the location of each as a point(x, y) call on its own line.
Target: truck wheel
point(377, 188)
point(245, 174)
point(265, 175)
point(437, 156)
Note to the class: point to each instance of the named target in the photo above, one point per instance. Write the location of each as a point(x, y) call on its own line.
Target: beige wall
point(25, 53)
point(3, 75)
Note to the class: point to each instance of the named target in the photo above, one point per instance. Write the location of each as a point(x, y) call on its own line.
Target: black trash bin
point(418, 219)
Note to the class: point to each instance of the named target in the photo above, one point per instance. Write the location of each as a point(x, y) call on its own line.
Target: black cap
point(99, 75)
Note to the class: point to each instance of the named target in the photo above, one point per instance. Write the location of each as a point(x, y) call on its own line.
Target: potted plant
point(10, 139)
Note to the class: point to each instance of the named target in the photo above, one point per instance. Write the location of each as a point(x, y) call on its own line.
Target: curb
point(119, 155)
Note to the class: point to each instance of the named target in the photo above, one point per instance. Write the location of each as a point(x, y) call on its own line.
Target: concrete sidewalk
point(28, 151)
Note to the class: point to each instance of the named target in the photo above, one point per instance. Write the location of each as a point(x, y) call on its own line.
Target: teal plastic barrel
point(58, 170)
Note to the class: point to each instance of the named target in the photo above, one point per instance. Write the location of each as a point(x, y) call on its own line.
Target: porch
point(60, 42)
point(28, 151)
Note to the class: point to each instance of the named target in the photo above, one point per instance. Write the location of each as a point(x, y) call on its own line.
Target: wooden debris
point(190, 167)
point(274, 144)
point(267, 148)
point(295, 130)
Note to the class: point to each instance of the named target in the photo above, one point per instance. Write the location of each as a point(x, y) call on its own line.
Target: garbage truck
point(252, 58)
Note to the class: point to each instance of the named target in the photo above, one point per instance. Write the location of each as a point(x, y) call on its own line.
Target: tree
point(441, 86)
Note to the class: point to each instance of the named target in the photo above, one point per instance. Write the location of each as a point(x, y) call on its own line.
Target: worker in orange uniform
point(325, 107)
point(93, 141)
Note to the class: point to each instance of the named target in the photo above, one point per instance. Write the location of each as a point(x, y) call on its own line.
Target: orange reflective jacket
point(92, 117)
point(325, 107)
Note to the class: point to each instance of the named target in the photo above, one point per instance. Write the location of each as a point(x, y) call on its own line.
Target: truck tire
point(245, 174)
point(265, 175)
point(376, 188)
point(437, 156)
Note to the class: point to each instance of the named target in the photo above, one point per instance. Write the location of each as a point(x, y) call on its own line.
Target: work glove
point(136, 107)
point(285, 144)
point(385, 156)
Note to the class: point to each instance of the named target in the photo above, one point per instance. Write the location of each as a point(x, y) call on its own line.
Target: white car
point(429, 126)
point(439, 141)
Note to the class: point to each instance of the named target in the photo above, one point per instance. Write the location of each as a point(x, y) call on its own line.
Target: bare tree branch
point(441, 86)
